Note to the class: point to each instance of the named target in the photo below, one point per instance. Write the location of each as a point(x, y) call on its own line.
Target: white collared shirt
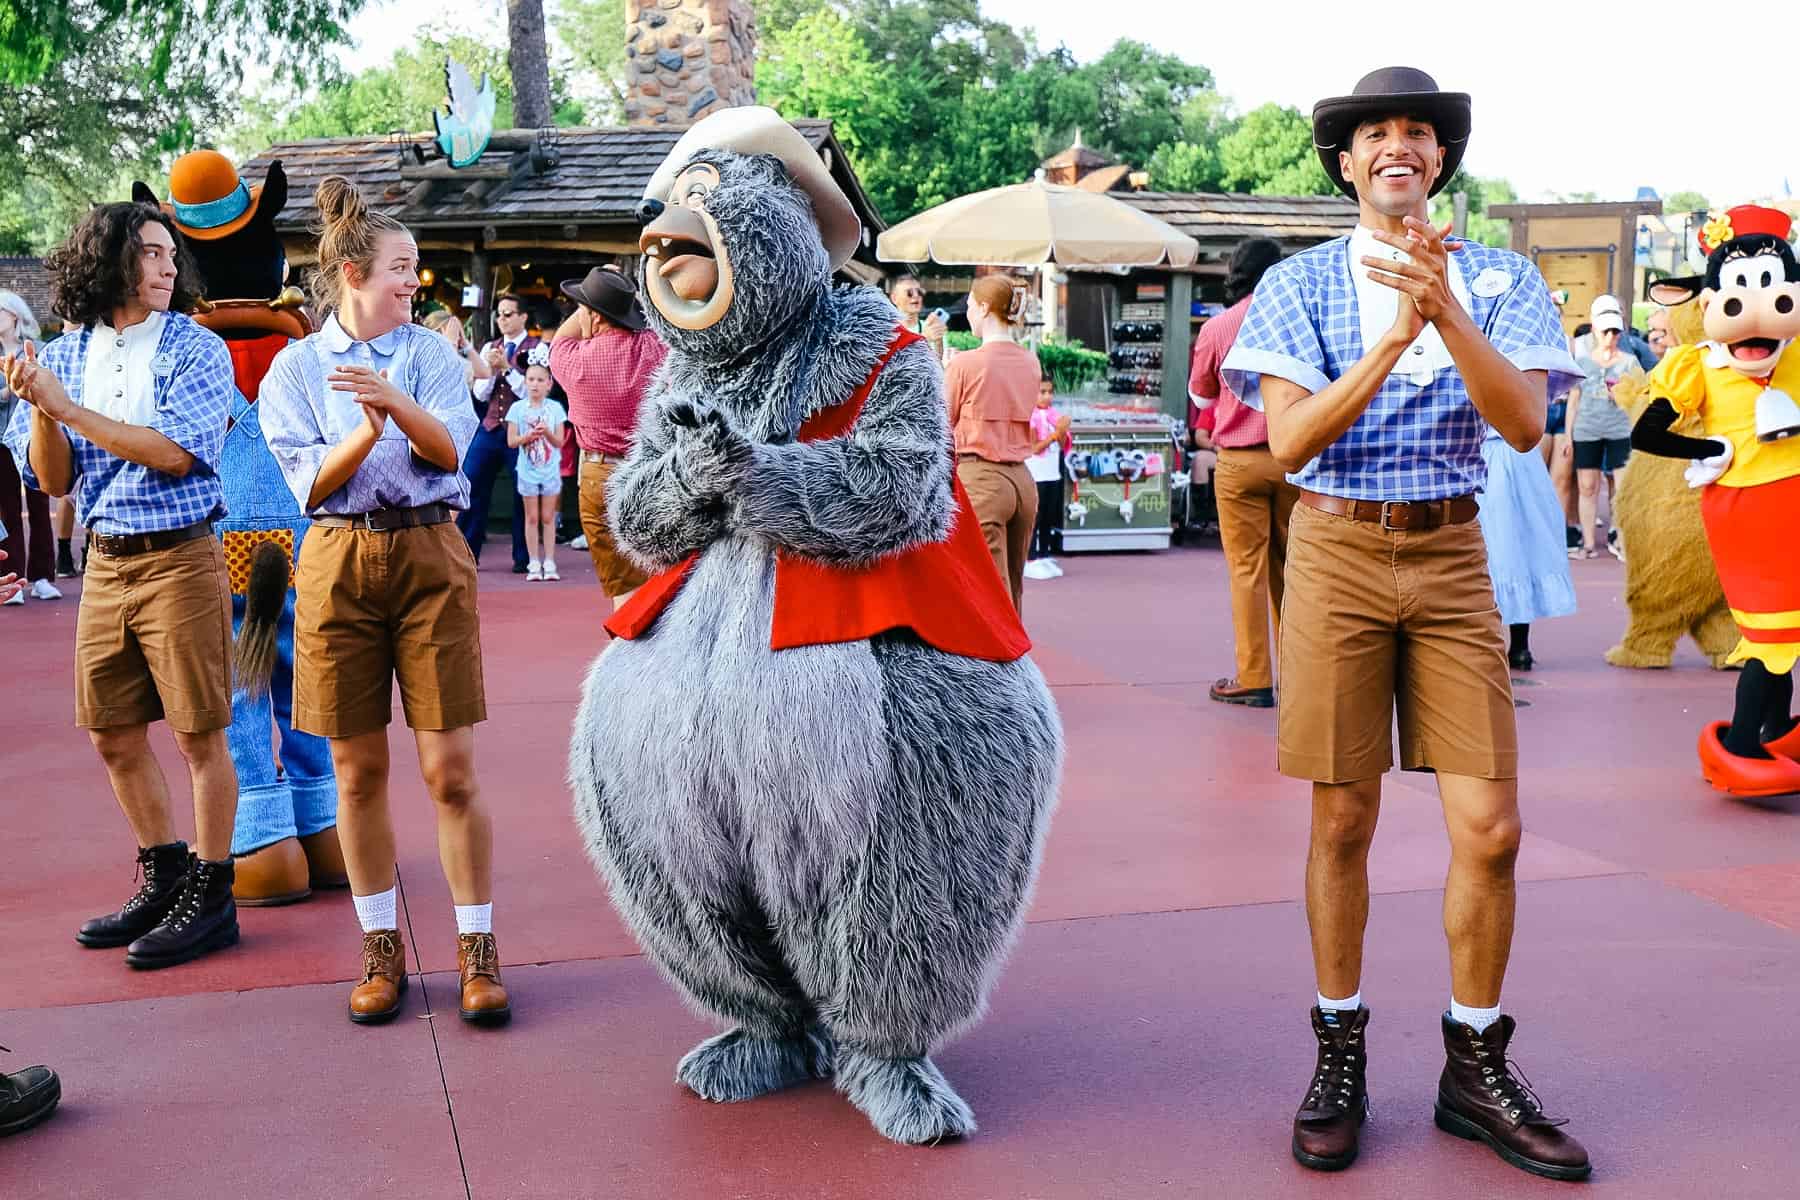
point(1377, 306)
point(118, 381)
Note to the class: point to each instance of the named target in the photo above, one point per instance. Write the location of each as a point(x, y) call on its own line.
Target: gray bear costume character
point(816, 768)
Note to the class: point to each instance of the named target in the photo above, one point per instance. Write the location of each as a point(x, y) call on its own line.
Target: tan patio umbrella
point(1027, 224)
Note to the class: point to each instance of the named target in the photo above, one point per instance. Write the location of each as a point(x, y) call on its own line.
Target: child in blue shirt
point(537, 426)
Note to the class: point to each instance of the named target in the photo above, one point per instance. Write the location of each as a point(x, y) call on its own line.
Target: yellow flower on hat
point(1716, 232)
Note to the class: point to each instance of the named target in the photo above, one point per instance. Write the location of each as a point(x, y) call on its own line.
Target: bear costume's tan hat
point(755, 129)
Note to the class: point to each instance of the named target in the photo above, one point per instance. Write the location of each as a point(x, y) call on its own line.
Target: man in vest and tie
point(489, 451)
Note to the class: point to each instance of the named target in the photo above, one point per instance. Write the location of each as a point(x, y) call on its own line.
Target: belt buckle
point(1387, 508)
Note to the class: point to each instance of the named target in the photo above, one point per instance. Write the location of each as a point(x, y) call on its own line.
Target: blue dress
point(1522, 522)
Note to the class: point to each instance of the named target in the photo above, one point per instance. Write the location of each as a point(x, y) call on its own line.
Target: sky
point(1564, 100)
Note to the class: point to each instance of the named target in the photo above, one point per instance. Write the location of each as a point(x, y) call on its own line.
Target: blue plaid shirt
point(1411, 443)
point(193, 400)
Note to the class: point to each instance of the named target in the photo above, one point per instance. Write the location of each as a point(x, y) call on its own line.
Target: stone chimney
point(686, 58)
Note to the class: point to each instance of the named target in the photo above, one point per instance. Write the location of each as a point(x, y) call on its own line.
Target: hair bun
point(338, 201)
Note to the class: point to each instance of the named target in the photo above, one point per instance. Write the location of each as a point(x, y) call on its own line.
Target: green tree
point(396, 98)
point(1681, 203)
point(593, 32)
point(1482, 193)
point(1141, 94)
point(82, 128)
point(1184, 167)
point(1270, 153)
point(291, 36)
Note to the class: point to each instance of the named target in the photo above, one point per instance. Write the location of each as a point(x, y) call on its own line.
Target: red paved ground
point(1148, 1039)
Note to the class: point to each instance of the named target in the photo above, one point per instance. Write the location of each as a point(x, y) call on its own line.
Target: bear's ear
point(1676, 290)
point(141, 193)
point(274, 193)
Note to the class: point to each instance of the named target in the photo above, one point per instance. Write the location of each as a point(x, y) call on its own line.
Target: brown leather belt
point(124, 545)
point(1397, 515)
point(600, 456)
point(384, 520)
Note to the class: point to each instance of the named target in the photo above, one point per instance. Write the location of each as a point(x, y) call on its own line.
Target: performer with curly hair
point(128, 414)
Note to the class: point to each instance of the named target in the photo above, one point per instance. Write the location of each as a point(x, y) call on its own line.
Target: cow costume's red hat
point(1744, 220)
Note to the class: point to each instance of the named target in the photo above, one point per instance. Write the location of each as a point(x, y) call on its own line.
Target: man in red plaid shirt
point(604, 357)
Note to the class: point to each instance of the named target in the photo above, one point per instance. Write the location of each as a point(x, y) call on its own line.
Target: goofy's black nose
point(649, 210)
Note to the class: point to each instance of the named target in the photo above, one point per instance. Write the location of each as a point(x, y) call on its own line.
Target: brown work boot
point(273, 875)
point(1330, 1118)
point(377, 998)
point(484, 999)
point(1479, 1099)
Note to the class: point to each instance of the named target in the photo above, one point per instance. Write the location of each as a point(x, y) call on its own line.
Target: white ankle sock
point(1477, 1019)
point(475, 918)
point(376, 912)
point(1349, 1004)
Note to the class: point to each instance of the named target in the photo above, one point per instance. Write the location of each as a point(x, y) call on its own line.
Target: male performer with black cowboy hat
point(1379, 359)
point(604, 357)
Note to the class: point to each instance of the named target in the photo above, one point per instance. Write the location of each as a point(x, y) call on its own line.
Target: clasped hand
point(31, 383)
point(377, 396)
point(1425, 280)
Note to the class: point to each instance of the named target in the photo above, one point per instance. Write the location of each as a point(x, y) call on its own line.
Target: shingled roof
point(598, 176)
point(1295, 221)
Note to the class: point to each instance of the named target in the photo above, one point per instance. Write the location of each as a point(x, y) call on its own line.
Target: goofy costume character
point(1741, 384)
point(285, 842)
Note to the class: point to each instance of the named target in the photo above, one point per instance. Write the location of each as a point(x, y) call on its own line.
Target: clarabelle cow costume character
point(1742, 384)
point(816, 767)
point(285, 841)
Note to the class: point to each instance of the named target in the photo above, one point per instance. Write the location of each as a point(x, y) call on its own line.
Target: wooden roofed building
point(537, 207)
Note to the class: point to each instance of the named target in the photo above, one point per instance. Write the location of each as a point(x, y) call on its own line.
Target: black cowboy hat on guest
point(608, 292)
point(1392, 92)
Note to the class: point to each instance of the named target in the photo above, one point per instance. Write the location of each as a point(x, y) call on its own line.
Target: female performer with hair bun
point(370, 419)
point(991, 392)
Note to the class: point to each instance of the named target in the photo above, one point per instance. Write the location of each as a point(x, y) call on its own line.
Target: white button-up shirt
point(117, 382)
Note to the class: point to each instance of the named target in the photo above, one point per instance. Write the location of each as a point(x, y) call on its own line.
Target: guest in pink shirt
point(604, 358)
point(1252, 492)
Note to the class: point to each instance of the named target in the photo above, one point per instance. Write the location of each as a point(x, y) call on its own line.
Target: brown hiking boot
point(1479, 1099)
point(377, 998)
point(1331, 1116)
point(484, 1000)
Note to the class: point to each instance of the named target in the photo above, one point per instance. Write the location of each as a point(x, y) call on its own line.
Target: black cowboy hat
point(608, 292)
point(1392, 92)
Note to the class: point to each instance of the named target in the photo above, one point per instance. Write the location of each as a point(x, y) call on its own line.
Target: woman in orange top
point(991, 392)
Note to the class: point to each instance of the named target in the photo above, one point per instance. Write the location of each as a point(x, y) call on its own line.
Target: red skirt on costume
point(1752, 534)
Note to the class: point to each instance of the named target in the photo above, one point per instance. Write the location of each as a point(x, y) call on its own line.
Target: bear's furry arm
point(882, 488)
point(1652, 434)
point(657, 518)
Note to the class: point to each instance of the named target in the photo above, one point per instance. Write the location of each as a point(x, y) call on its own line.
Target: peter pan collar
point(339, 341)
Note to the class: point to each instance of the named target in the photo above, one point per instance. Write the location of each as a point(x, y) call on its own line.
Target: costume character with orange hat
point(816, 767)
point(285, 840)
point(1741, 383)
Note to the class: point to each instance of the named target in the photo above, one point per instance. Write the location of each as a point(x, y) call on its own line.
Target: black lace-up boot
point(1331, 1117)
point(162, 868)
point(1479, 1099)
point(203, 919)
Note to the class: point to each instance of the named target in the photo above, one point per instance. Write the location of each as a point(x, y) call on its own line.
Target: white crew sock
point(475, 918)
point(1329, 1008)
point(1477, 1019)
point(376, 912)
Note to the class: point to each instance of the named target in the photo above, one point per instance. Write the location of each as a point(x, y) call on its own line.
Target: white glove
point(1703, 471)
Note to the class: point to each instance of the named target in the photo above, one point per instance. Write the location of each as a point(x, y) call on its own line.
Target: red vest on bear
point(948, 593)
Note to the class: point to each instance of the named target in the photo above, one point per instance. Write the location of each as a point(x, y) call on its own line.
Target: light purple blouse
point(303, 418)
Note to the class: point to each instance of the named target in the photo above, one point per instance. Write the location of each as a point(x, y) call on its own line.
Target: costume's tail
point(254, 658)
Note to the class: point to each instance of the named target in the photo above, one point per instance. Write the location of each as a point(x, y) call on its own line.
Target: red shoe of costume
point(1747, 777)
point(1787, 745)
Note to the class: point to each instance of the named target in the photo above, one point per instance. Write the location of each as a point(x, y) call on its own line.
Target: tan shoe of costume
point(484, 1000)
point(377, 998)
point(276, 874)
point(325, 858)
